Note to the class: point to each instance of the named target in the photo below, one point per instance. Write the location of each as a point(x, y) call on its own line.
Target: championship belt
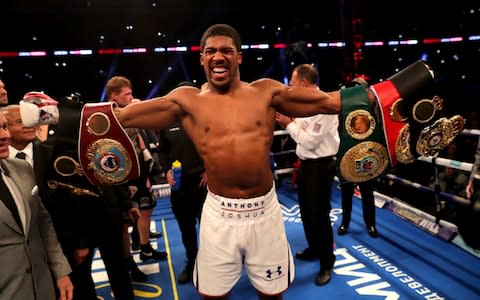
point(362, 155)
point(403, 152)
point(397, 108)
point(64, 170)
point(434, 138)
point(107, 155)
point(392, 114)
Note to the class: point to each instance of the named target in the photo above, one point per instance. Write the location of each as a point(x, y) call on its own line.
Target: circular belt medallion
point(397, 111)
point(364, 161)
point(424, 110)
point(98, 124)
point(109, 160)
point(359, 124)
point(67, 166)
point(402, 146)
point(434, 138)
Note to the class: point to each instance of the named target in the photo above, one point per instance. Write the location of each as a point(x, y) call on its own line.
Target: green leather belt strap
point(361, 136)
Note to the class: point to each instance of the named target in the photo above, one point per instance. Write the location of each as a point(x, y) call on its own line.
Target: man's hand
point(38, 108)
point(65, 288)
point(133, 189)
point(283, 120)
point(469, 189)
point(80, 254)
point(134, 214)
point(170, 179)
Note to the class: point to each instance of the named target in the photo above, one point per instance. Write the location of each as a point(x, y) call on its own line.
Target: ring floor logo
point(142, 290)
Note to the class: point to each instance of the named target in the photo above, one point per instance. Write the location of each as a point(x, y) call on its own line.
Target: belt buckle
point(364, 161)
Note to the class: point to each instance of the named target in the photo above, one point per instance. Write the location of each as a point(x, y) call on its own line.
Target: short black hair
point(222, 30)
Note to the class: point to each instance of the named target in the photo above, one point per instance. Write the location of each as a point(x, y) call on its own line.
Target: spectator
point(30, 252)
point(119, 90)
point(3, 94)
point(85, 221)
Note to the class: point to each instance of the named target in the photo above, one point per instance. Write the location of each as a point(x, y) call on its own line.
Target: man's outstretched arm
point(150, 114)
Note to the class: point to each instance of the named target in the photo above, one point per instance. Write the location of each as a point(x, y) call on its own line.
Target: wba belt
point(107, 155)
point(362, 154)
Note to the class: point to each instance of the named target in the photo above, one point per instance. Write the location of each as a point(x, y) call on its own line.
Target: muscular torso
point(233, 134)
point(231, 130)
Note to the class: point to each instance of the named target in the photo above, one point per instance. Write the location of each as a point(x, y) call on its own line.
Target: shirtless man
point(231, 123)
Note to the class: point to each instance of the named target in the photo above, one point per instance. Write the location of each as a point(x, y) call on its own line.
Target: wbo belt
point(107, 155)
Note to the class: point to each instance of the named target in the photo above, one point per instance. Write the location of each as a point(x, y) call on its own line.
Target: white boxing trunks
point(237, 232)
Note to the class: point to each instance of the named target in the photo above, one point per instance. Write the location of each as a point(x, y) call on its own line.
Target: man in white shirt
point(317, 144)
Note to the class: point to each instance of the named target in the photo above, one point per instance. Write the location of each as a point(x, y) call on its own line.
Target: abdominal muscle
point(238, 169)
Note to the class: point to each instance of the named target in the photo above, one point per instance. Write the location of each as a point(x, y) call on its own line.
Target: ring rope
point(284, 152)
point(446, 162)
point(471, 132)
point(446, 196)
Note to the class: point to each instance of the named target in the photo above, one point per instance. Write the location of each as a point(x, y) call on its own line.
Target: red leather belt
point(387, 96)
point(106, 154)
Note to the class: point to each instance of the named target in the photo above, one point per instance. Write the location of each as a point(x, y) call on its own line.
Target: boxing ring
point(416, 256)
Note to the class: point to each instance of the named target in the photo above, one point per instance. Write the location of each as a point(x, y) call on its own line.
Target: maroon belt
point(106, 153)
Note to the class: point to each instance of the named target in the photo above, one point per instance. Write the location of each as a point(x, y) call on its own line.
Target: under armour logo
point(275, 273)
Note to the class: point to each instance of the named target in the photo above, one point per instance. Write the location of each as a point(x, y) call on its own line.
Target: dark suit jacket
point(28, 259)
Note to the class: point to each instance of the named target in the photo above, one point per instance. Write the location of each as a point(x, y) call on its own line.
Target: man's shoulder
point(17, 168)
point(13, 164)
point(266, 82)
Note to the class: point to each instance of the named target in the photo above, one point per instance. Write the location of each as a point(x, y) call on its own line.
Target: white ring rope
point(464, 166)
point(471, 132)
point(445, 162)
point(416, 185)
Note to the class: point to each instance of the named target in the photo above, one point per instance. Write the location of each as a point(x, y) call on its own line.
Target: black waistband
point(320, 159)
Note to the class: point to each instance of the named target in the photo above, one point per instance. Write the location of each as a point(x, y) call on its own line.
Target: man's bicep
point(152, 114)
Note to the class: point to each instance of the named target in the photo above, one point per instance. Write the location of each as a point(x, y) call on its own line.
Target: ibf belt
point(391, 111)
point(107, 155)
point(362, 155)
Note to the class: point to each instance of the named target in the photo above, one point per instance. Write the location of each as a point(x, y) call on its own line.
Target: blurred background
point(67, 46)
point(74, 46)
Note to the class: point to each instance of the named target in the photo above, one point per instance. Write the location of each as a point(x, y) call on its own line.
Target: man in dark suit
point(29, 250)
point(78, 234)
